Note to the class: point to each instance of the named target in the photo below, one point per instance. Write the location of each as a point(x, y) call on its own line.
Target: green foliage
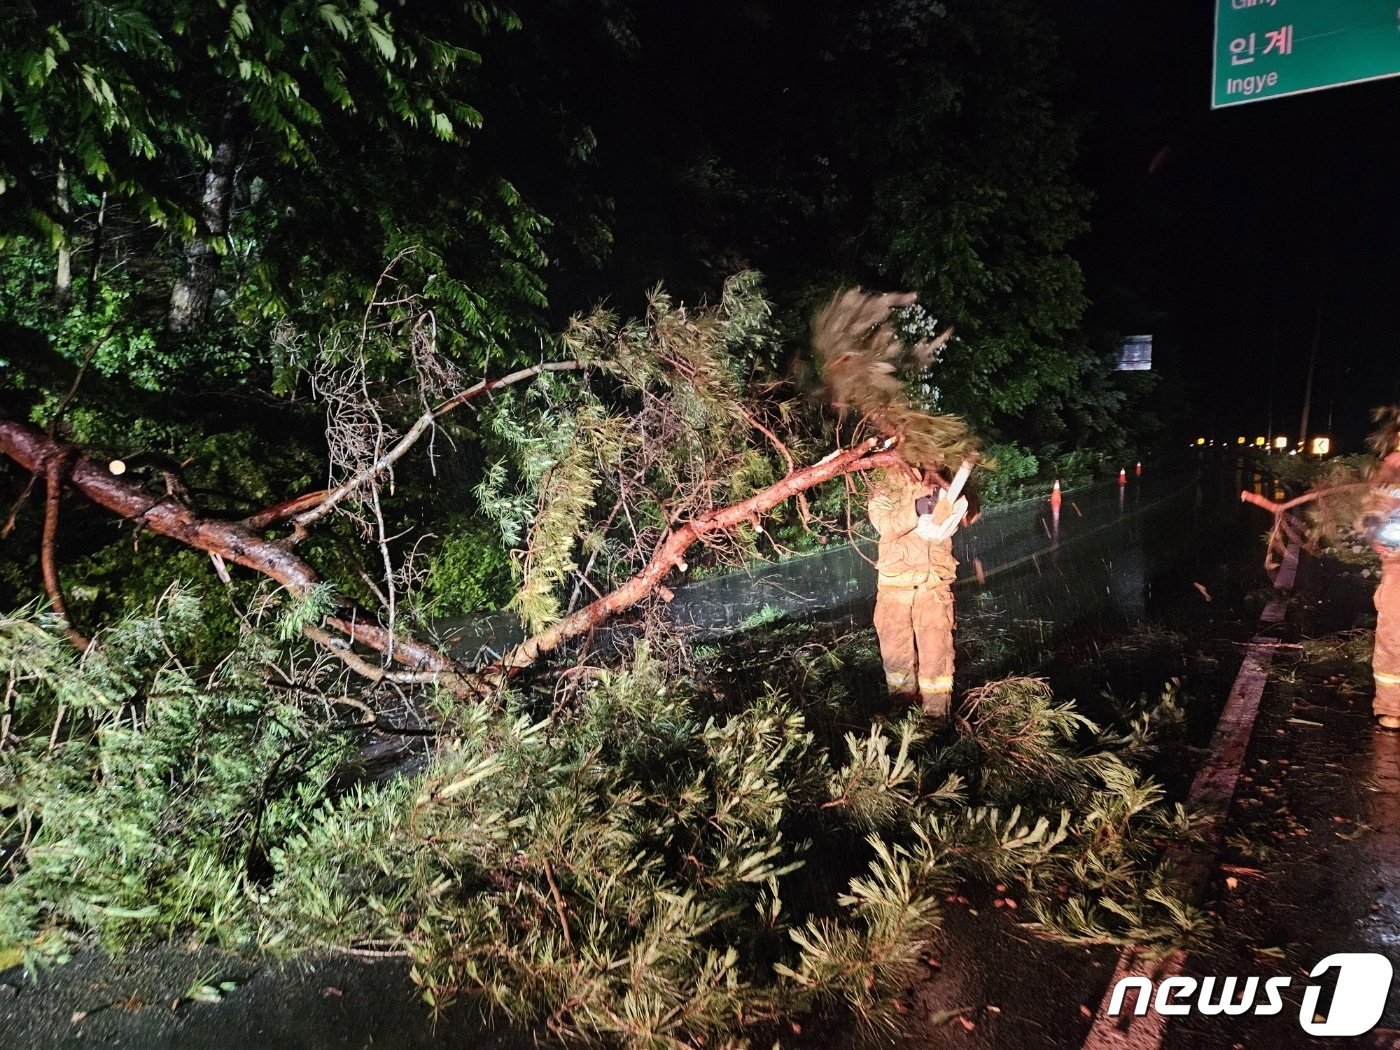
point(1022, 729)
point(106, 89)
point(1014, 465)
point(598, 469)
point(132, 105)
point(626, 870)
point(1349, 647)
point(120, 344)
point(761, 617)
point(137, 793)
point(567, 495)
point(468, 570)
point(631, 872)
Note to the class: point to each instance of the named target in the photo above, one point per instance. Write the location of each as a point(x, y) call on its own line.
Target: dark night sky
point(1250, 221)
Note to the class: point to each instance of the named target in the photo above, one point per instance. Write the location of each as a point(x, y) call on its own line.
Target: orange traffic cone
point(1122, 476)
point(1055, 496)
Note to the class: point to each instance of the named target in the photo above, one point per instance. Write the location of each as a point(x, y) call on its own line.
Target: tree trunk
point(95, 265)
point(34, 451)
point(63, 271)
point(192, 297)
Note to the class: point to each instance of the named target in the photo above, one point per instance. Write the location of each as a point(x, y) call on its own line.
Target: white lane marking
point(1211, 794)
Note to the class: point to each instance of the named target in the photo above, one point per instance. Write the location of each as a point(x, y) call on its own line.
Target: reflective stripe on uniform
point(898, 679)
point(1383, 678)
point(941, 684)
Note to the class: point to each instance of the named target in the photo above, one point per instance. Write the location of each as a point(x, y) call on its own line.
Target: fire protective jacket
point(1381, 522)
point(914, 618)
point(905, 558)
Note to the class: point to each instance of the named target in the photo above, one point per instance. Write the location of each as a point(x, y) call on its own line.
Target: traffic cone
point(1055, 496)
point(1122, 476)
point(1138, 471)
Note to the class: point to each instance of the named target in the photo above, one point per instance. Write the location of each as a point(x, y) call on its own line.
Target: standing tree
point(301, 111)
point(922, 145)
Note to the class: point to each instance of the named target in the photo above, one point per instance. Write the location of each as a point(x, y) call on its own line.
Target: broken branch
point(169, 516)
point(866, 456)
point(53, 469)
point(330, 499)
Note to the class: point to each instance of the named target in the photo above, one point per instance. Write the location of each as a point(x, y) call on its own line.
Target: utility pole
point(1270, 372)
point(1312, 371)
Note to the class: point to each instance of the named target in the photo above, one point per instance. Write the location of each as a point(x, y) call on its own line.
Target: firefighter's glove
point(1385, 532)
point(944, 521)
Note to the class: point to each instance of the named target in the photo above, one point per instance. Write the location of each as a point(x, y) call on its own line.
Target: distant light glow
point(1200, 441)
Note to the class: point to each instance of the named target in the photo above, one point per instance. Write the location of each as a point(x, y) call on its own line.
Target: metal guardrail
point(1103, 529)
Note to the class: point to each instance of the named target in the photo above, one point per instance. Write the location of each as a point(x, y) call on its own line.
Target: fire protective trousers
point(1379, 506)
point(915, 628)
point(1385, 664)
point(914, 596)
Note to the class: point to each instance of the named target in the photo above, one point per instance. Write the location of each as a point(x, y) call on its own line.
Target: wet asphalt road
point(1312, 861)
point(1310, 867)
point(1096, 556)
point(1320, 837)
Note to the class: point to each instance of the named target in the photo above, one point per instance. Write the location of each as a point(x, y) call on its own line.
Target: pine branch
point(869, 455)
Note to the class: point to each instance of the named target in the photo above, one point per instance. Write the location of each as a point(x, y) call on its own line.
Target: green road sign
point(1268, 48)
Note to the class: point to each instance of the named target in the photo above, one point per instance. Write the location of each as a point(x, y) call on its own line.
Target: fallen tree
point(685, 432)
point(238, 543)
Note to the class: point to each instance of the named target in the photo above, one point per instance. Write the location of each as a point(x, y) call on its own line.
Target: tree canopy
point(307, 142)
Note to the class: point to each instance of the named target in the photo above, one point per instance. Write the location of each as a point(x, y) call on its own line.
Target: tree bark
point(48, 549)
point(192, 297)
point(95, 265)
point(63, 270)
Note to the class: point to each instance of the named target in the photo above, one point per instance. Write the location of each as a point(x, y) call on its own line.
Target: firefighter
point(916, 513)
point(1381, 523)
